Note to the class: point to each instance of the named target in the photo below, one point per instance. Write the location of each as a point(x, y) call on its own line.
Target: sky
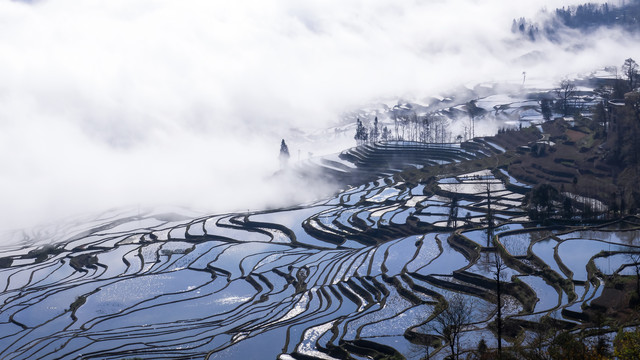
point(153, 102)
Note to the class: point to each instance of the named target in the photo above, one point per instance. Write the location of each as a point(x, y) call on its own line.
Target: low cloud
point(120, 103)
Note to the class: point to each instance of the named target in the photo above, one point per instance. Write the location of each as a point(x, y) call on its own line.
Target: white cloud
point(106, 103)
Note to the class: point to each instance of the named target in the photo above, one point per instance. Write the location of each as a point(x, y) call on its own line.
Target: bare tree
point(490, 217)
point(416, 126)
point(425, 135)
point(473, 110)
point(451, 321)
point(396, 124)
point(498, 275)
point(566, 91)
point(453, 211)
point(630, 70)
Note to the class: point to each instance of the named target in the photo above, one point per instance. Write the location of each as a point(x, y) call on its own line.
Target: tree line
point(546, 341)
point(430, 128)
point(591, 15)
point(584, 17)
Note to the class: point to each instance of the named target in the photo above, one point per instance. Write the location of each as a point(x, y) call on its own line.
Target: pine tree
point(361, 133)
point(284, 154)
point(375, 133)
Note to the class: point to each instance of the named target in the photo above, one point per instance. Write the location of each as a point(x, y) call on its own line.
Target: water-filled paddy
point(229, 287)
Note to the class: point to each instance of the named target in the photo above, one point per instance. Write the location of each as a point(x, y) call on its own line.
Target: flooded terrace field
point(361, 273)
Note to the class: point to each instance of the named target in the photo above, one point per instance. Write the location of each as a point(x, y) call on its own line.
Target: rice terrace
point(495, 220)
point(365, 273)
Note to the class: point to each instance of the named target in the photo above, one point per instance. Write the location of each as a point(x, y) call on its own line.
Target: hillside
point(525, 219)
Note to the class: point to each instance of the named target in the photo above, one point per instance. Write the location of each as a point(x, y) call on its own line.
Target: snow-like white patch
point(267, 260)
point(379, 213)
point(384, 195)
point(595, 204)
point(415, 200)
point(233, 300)
point(298, 308)
point(310, 337)
point(509, 202)
point(495, 146)
point(133, 239)
point(476, 174)
point(162, 235)
point(474, 188)
point(513, 196)
point(490, 102)
point(285, 357)
point(280, 238)
point(239, 337)
point(583, 88)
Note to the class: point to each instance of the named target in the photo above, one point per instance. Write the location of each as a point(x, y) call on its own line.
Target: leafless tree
point(499, 268)
point(566, 91)
point(425, 135)
point(473, 110)
point(413, 127)
point(450, 323)
point(396, 124)
point(489, 215)
point(630, 70)
point(453, 211)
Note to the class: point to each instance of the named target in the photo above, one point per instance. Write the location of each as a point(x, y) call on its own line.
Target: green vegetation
point(627, 345)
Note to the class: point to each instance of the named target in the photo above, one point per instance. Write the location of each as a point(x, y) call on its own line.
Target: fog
point(148, 102)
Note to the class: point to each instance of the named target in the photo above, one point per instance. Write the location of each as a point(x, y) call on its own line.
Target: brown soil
point(615, 303)
point(575, 163)
point(575, 136)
